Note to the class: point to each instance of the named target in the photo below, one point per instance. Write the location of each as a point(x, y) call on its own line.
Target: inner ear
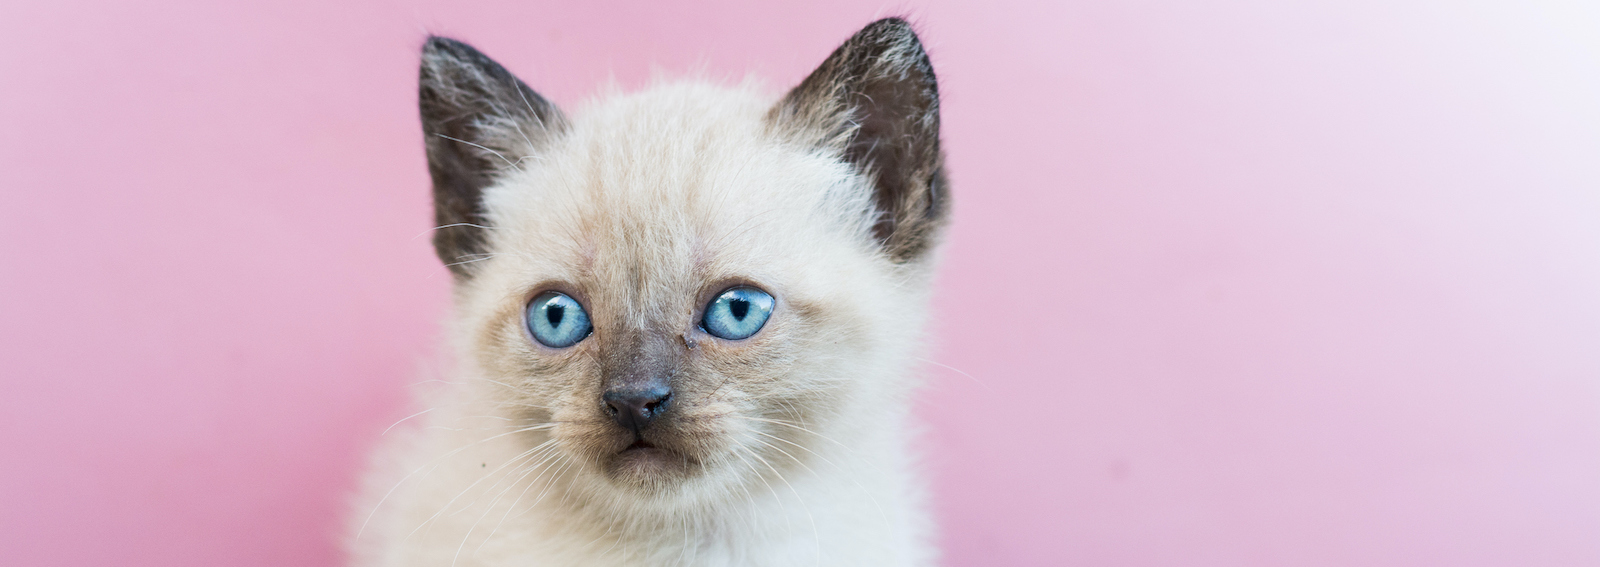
point(875, 101)
point(478, 121)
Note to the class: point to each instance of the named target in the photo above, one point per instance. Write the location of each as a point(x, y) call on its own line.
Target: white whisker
point(957, 371)
point(391, 426)
point(451, 225)
point(497, 154)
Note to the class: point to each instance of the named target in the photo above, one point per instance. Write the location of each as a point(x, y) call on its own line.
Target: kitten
point(685, 321)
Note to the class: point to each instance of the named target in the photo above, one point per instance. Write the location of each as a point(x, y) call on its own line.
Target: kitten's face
point(644, 228)
point(684, 288)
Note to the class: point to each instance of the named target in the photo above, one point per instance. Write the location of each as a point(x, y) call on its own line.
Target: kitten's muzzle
point(635, 407)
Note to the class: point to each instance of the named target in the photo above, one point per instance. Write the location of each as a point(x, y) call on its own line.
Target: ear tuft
point(875, 100)
point(478, 120)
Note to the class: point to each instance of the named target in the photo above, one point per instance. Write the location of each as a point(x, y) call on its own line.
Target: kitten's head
point(688, 289)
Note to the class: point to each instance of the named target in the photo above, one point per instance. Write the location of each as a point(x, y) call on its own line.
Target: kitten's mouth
point(651, 460)
point(642, 451)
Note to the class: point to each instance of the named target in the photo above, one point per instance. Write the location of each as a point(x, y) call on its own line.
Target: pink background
point(1245, 285)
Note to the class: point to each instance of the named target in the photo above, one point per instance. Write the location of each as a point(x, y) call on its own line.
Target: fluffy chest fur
point(684, 322)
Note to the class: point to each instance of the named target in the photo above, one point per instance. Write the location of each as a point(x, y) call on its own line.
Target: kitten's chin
point(644, 466)
point(647, 461)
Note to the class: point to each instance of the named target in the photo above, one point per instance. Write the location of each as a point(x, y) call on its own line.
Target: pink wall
point(1241, 285)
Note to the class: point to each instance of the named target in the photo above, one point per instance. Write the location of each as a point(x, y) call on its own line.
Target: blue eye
point(556, 320)
point(737, 313)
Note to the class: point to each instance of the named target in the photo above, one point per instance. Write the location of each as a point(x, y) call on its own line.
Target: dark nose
point(634, 408)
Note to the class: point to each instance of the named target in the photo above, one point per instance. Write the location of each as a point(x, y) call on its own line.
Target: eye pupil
point(740, 308)
point(554, 314)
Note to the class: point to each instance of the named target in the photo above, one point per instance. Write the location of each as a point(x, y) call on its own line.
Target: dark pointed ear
point(875, 100)
point(478, 120)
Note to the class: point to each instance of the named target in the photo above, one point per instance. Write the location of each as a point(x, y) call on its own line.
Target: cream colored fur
point(641, 206)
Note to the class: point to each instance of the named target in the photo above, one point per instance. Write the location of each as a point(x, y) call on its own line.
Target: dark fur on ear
point(477, 120)
point(876, 101)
